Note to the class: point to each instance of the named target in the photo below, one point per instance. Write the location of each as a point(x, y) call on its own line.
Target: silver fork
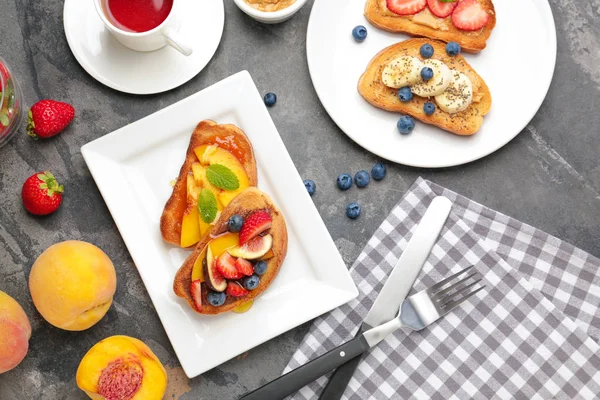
point(417, 312)
point(427, 306)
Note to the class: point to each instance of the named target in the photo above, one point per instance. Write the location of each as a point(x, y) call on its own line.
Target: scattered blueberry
point(270, 99)
point(453, 48)
point(235, 223)
point(426, 50)
point(344, 181)
point(353, 210)
point(311, 186)
point(404, 94)
point(216, 299)
point(378, 171)
point(359, 33)
point(426, 73)
point(362, 178)
point(260, 267)
point(251, 282)
point(406, 124)
point(429, 108)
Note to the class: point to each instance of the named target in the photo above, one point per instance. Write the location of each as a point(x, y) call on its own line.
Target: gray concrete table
point(548, 177)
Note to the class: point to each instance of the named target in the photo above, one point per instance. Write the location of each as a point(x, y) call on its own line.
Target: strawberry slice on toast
point(466, 22)
point(254, 225)
point(226, 267)
point(234, 289)
point(244, 267)
point(440, 8)
point(406, 7)
point(196, 290)
point(469, 15)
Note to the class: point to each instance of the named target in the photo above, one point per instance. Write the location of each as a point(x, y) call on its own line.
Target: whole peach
point(72, 285)
point(15, 332)
point(121, 368)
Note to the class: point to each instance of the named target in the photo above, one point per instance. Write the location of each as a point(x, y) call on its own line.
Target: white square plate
point(133, 167)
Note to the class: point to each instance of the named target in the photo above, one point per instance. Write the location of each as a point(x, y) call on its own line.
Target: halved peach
point(121, 367)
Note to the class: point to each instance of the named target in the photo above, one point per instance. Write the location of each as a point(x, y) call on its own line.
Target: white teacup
point(154, 39)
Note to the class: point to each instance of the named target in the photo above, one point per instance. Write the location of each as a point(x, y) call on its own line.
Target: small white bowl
point(270, 17)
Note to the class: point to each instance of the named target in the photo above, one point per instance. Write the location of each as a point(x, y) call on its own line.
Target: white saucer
point(134, 72)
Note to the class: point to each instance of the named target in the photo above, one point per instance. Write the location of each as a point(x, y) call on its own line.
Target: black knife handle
point(295, 380)
point(339, 380)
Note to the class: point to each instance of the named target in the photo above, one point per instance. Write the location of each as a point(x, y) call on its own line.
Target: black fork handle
point(339, 380)
point(337, 384)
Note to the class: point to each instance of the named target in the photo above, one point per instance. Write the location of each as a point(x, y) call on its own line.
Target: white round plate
point(517, 65)
point(129, 71)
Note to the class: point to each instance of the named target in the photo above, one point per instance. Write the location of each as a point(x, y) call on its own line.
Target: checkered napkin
point(533, 333)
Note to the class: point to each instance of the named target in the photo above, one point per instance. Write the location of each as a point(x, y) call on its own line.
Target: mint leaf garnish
point(222, 177)
point(207, 206)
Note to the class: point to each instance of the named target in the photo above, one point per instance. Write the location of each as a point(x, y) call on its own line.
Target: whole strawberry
point(41, 193)
point(48, 118)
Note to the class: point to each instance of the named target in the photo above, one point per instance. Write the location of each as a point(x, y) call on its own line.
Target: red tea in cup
point(137, 15)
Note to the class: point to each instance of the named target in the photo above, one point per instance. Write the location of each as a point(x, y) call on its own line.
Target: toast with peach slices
point(219, 164)
point(467, 22)
point(223, 261)
point(465, 122)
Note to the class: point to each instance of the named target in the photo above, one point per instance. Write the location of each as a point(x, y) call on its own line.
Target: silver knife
point(408, 266)
point(396, 287)
point(384, 309)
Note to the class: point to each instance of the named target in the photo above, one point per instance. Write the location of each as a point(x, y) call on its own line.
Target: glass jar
point(11, 103)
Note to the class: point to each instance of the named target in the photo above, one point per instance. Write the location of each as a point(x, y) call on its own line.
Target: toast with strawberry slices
point(466, 122)
point(467, 22)
point(210, 143)
point(206, 272)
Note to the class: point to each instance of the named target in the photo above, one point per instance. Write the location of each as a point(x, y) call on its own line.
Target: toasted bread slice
point(425, 24)
point(245, 203)
point(467, 122)
point(231, 138)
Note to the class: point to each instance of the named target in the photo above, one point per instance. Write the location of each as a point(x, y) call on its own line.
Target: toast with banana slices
point(238, 259)
point(454, 98)
point(219, 164)
point(467, 22)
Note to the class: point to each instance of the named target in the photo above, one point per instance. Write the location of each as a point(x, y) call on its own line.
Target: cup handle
point(175, 40)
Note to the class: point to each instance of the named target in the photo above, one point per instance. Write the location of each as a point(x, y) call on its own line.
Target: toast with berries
point(447, 110)
point(467, 22)
point(219, 164)
point(238, 259)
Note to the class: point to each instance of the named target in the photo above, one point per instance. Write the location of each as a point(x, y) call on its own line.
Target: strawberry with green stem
point(48, 118)
point(41, 193)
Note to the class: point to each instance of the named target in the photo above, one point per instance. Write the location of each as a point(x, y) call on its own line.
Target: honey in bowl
point(270, 5)
point(137, 15)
